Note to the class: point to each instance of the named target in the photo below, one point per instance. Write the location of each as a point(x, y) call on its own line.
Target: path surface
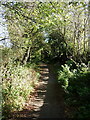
point(47, 101)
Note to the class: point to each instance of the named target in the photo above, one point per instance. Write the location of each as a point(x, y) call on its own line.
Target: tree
point(61, 21)
point(89, 26)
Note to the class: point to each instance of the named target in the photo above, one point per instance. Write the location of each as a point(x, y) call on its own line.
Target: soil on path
point(48, 98)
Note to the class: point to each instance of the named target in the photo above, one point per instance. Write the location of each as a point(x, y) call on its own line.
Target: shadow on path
point(53, 106)
point(48, 101)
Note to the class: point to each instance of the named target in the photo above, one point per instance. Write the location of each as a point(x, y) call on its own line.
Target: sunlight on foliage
point(18, 83)
point(64, 75)
point(76, 86)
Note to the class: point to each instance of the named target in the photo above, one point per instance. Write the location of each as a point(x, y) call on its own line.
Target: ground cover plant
point(17, 84)
point(75, 83)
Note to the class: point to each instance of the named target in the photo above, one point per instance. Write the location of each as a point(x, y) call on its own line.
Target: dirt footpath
point(48, 99)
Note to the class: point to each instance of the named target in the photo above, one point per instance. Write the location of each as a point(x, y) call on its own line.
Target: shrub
point(64, 75)
point(76, 84)
point(18, 83)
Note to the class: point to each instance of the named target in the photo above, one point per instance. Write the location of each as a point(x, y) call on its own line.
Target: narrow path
point(48, 100)
point(53, 102)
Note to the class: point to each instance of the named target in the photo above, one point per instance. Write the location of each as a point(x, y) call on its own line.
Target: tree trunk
point(84, 34)
point(89, 26)
point(26, 55)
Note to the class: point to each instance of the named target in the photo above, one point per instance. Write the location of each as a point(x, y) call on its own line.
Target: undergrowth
point(17, 84)
point(75, 82)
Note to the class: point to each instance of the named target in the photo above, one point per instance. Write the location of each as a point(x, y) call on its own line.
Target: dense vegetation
point(18, 82)
point(75, 83)
point(52, 32)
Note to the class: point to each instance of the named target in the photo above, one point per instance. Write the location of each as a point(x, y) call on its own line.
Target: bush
point(18, 83)
point(64, 75)
point(78, 92)
point(76, 84)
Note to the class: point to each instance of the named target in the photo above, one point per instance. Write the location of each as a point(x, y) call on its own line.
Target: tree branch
point(4, 39)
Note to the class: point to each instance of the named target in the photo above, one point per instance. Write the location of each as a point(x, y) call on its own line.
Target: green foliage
point(64, 75)
point(18, 83)
point(56, 19)
point(78, 92)
point(76, 86)
point(45, 31)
